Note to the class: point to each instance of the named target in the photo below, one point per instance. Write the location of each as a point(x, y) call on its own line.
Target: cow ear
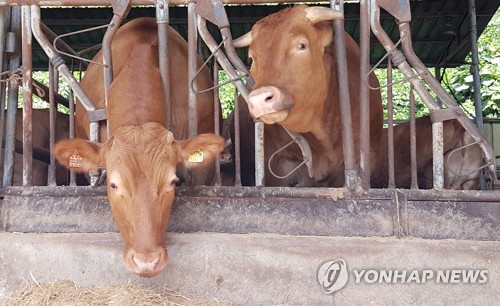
point(200, 150)
point(78, 154)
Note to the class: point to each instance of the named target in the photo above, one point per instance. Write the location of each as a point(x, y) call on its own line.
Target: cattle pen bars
point(163, 18)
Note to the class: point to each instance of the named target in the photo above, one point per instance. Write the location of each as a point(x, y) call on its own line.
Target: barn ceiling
point(440, 28)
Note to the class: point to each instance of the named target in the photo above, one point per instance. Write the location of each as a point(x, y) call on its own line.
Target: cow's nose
point(145, 265)
point(264, 100)
point(148, 263)
point(265, 94)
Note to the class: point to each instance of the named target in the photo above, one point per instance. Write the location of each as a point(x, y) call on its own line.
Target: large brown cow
point(41, 135)
point(141, 156)
point(295, 75)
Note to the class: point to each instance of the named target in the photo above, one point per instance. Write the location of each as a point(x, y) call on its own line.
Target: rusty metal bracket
point(121, 8)
point(304, 148)
point(399, 9)
point(54, 43)
point(97, 115)
point(212, 11)
point(440, 115)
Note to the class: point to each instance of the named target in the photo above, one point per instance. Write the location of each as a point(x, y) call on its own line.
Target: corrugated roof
point(440, 28)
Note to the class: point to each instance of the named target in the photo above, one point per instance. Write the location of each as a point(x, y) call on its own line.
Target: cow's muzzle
point(146, 264)
point(268, 104)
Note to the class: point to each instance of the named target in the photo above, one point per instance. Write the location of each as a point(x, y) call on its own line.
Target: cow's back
point(141, 35)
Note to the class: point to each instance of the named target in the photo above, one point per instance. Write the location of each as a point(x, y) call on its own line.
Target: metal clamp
point(304, 148)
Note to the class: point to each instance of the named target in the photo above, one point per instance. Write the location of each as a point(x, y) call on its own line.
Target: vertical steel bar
point(259, 154)
point(475, 67)
point(72, 174)
point(351, 173)
point(364, 94)
point(27, 96)
point(162, 21)
point(390, 125)
point(413, 142)
point(192, 67)
point(3, 28)
point(12, 100)
point(438, 159)
point(107, 58)
point(53, 89)
point(217, 117)
point(237, 141)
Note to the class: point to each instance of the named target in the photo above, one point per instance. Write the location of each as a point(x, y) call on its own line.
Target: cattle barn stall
point(252, 244)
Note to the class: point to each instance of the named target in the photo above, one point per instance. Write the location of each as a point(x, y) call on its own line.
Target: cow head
point(286, 51)
point(141, 161)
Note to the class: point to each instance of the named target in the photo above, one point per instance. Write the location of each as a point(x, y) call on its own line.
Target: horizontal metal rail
point(60, 3)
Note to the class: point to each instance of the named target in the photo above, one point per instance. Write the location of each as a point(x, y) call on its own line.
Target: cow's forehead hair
point(281, 27)
point(142, 151)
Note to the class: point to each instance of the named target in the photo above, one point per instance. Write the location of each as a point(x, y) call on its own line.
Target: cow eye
point(174, 181)
point(302, 46)
point(250, 61)
point(113, 186)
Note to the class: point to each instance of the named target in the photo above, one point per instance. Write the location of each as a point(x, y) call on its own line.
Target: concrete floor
point(261, 269)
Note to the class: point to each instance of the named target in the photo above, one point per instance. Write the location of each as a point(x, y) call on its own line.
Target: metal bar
point(60, 3)
point(53, 89)
point(3, 21)
point(217, 117)
point(12, 99)
point(233, 56)
point(61, 44)
point(475, 67)
point(413, 142)
point(107, 58)
point(351, 173)
point(233, 74)
point(59, 65)
point(438, 158)
point(390, 127)
point(259, 154)
point(72, 174)
point(400, 61)
point(162, 21)
point(364, 94)
point(192, 67)
point(27, 60)
point(443, 95)
point(237, 141)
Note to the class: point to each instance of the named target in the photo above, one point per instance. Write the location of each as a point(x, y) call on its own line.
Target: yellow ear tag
point(75, 160)
point(196, 157)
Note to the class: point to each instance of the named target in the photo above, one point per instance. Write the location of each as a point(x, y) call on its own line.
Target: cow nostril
point(269, 98)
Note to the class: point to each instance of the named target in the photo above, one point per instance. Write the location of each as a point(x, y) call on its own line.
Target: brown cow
point(295, 75)
point(141, 156)
point(460, 166)
point(41, 135)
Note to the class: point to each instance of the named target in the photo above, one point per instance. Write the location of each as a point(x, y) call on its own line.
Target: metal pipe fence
point(224, 53)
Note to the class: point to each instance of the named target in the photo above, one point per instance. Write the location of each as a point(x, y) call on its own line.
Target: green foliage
point(226, 94)
point(459, 80)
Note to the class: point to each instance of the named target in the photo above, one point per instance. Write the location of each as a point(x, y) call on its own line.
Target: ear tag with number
point(196, 157)
point(75, 160)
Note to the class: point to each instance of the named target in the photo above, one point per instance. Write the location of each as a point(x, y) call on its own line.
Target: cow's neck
point(325, 136)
